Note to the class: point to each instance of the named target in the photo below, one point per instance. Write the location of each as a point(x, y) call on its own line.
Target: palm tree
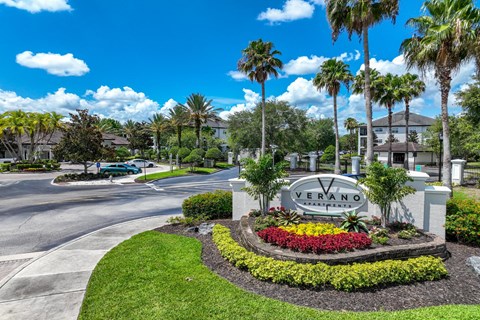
point(258, 62)
point(179, 117)
point(333, 73)
point(351, 124)
point(443, 41)
point(357, 16)
point(16, 122)
point(200, 110)
point(411, 87)
point(158, 124)
point(387, 94)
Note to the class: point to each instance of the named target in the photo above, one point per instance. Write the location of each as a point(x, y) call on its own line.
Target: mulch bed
point(461, 287)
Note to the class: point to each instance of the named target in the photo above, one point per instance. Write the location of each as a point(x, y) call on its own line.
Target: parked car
point(355, 176)
point(140, 163)
point(120, 168)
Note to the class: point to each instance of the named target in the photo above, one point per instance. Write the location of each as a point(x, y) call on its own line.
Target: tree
point(329, 154)
point(258, 62)
point(82, 140)
point(443, 41)
point(264, 179)
point(194, 159)
point(319, 134)
point(387, 94)
point(158, 124)
point(411, 87)
point(469, 99)
point(333, 73)
point(138, 136)
point(391, 139)
point(200, 111)
point(213, 153)
point(412, 137)
point(385, 185)
point(357, 16)
point(109, 125)
point(351, 125)
point(179, 117)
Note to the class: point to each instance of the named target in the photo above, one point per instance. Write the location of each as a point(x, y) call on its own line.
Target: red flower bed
point(316, 244)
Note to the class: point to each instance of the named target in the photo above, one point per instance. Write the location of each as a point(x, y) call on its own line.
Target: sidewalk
point(52, 286)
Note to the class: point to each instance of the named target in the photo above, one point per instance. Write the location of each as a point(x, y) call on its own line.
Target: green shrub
point(341, 277)
point(173, 151)
point(213, 153)
point(382, 240)
point(187, 221)
point(263, 222)
point(199, 151)
point(213, 205)
point(463, 221)
point(407, 234)
point(24, 166)
point(4, 167)
point(183, 153)
point(328, 154)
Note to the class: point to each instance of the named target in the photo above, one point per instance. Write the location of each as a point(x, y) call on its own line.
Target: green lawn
point(176, 173)
point(224, 165)
point(464, 193)
point(161, 276)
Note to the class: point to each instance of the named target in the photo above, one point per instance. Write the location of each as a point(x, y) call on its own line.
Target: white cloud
point(167, 106)
point(251, 100)
point(53, 63)
point(35, 6)
point(291, 10)
point(302, 92)
point(310, 65)
point(237, 75)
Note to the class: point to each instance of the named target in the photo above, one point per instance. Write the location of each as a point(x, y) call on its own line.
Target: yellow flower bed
point(313, 229)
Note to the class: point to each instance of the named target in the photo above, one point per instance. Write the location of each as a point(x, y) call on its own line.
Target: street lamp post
point(440, 138)
point(274, 149)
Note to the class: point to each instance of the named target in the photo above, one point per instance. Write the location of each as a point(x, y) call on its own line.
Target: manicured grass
point(161, 276)
point(466, 193)
point(176, 173)
point(224, 165)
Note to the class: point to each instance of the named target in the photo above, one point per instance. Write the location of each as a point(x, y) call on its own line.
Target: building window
point(394, 130)
point(378, 140)
point(398, 157)
point(363, 131)
point(378, 129)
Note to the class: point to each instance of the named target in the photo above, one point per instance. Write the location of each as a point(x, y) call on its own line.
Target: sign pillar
point(355, 165)
point(313, 162)
point(230, 158)
point(293, 161)
point(458, 169)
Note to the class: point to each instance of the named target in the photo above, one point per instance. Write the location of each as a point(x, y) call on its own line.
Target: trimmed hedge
point(341, 277)
point(212, 205)
point(463, 221)
point(70, 177)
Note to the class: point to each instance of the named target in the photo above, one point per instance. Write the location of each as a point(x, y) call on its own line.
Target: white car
point(140, 163)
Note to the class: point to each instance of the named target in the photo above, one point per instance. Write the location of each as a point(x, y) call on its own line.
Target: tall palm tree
point(258, 62)
point(411, 88)
point(351, 124)
point(200, 110)
point(158, 124)
point(179, 117)
point(443, 41)
point(333, 73)
point(387, 94)
point(16, 121)
point(357, 16)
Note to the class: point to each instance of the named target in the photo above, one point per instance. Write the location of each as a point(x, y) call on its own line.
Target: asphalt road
point(36, 216)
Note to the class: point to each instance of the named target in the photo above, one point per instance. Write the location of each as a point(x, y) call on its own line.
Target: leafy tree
point(285, 127)
point(194, 159)
point(319, 134)
point(443, 41)
point(82, 140)
point(179, 117)
point(328, 155)
point(183, 153)
point(413, 137)
point(469, 99)
point(199, 151)
point(158, 125)
point(122, 153)
point(258, 62)
point(213, 153)
point(333, 73)
point(200, 111)
point(264, 179)
point(138, 136)
point(109, 125)
point(411, 87)
point(385, 185)
point(391, 139)
point(357, 16)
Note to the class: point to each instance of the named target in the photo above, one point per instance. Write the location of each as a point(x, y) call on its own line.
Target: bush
point(213, 205)
point(199, 151)
point(263, 222)
point(24, 166)
point(183, 153)
point(173, 151)
point(329, 154)
point(213, 153)
point(4, 167)
point(341, 277)
point(463, 221)
point(71, 177)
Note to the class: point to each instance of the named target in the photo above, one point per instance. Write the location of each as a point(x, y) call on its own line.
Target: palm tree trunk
point(197, 131)
point(337, 139)
point(158, 146)
point(445, 85)
point(179, 136)
point(368, 97)
point(389, 161)
point(20, 147)
point(407, 117)
point(263, 119)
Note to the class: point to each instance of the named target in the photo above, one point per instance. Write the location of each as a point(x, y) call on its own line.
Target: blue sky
point(129, 59)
